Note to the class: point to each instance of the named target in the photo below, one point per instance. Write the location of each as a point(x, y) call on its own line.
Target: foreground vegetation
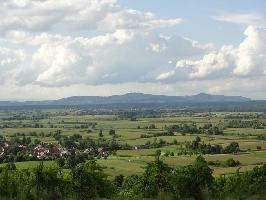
point(84, 154)
point(88, 181)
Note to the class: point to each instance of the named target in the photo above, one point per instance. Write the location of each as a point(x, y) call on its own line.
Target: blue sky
point(199, 24)
point(53, 49)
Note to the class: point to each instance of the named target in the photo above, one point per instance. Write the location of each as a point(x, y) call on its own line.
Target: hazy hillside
point(133, 98)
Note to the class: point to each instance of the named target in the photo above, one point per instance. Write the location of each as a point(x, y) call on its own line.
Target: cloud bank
point(246, 60)
point(51, 49)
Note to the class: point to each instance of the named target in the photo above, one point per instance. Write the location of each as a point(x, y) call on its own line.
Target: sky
point(53, 49)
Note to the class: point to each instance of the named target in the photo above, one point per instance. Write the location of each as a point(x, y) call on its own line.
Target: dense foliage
point(246, 124)
point(199, 147)
point(88, 181)
point(193, 129)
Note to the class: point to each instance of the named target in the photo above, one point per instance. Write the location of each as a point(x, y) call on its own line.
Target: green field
point(129, 132)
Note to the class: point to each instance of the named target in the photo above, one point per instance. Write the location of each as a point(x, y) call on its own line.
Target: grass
point(31, 164)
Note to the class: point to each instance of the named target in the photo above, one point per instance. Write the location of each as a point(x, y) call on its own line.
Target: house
point(89, 150)
point(41, 152)
point(136, 148)
point(103, 152)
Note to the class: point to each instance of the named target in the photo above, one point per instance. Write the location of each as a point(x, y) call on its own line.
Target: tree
point(195, 144)
point(71, 162)
point(152, 126)
point(200, 160)
point(11, 166)
point(132, 187)
point(230, 162)
point(89, 181)
point(233, 147)
point(112, 132)
point(190, 181)
point(101, 133)
point(167, 153)
point(158, 154)
point(119, 180)
point(39, 179)
point(155, 177)
point(61, 162)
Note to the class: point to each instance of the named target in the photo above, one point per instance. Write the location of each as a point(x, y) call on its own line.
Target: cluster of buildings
point(45, 150)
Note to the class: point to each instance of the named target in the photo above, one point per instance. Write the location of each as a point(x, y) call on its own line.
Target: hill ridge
point(132, 98)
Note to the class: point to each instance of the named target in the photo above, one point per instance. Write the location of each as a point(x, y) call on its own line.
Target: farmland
point(40, 125)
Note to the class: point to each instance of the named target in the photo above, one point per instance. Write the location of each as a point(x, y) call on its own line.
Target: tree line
point(246, 124)
point(209, 129)
point(199, 147)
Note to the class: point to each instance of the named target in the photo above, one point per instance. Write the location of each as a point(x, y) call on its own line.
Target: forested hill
point(132, 98)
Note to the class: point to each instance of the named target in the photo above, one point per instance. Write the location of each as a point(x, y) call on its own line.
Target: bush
point(230, 162)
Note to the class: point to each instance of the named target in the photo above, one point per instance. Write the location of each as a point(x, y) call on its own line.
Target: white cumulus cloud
point(248, 59)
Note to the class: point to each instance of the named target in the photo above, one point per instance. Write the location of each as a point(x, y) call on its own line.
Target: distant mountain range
point(131, 98)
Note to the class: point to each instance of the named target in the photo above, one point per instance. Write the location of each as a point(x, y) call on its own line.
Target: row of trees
point(193, 129)
point(150, 135)
point(246, 124)
point(196, 146)
point(230, 162)
point(261, 137)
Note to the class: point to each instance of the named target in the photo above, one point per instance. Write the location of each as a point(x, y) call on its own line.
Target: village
point(13, 152)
